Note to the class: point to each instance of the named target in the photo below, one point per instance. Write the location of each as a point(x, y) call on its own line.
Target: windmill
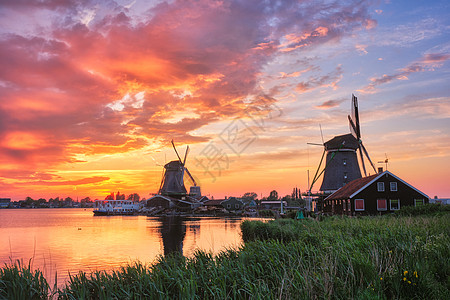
point(341, 164)
point(172, 183)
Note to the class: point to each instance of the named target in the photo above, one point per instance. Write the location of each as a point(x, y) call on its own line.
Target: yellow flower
point(405, 273)
point(381, 278)
point(404, 278)
point(415, 274)
point(409, 282)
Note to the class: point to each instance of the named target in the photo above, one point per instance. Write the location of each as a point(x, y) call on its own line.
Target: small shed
point(376, 194)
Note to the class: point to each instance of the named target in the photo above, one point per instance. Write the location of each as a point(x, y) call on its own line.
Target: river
point(63, 240)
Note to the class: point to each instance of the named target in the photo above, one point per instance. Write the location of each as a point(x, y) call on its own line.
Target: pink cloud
point(329, 80)
point(60, 82)
point(426, 63)
point(329, 104)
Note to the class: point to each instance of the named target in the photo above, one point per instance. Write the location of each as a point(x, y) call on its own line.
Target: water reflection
point(173, 231)
point(71, 240)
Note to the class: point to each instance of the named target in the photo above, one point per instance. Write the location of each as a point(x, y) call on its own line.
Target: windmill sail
point(355, 128)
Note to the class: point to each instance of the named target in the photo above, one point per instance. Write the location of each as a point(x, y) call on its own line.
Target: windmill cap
point(346, 141)
point(173, 165)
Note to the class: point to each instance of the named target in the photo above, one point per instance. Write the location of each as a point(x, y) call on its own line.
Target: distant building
point(233, 204)
point(272, 204)
point(380, 193)
point(443, 201)
point(214, 203)
point(5, 202)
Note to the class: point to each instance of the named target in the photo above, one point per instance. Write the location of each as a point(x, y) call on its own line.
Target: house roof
point(350, 188)
point(213, 202)
point(354, 187)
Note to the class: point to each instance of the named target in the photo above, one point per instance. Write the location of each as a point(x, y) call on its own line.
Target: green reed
point(339, 258)
point(19, 281)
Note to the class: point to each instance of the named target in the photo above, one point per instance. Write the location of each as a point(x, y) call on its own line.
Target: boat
point(115, 207)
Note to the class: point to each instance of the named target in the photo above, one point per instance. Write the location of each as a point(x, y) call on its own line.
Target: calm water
point(73, 239)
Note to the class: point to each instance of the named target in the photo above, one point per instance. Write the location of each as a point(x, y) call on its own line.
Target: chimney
point(380, 169)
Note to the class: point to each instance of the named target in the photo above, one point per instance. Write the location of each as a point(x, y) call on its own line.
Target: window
point(344, 162)
point(345, 175)
point(393, 186)
point(359, 204)
point(344, 206)
point(380, 186)
point(236, 206)
point(418, 202)
point(228, 205)
point(381, 204)
point(395, 204)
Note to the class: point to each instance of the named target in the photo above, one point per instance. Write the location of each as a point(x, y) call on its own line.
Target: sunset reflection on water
point(72, 240)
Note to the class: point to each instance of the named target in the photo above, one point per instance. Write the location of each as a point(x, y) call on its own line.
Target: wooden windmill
point(341, 165)
point(172, 183)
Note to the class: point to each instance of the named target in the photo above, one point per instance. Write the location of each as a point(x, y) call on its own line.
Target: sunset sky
point(92, 92)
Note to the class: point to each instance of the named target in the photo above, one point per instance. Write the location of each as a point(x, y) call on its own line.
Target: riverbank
point(358, 258)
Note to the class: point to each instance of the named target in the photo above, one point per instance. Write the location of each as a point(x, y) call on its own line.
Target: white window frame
point(358, 209)
point(381, 209)
point(421, 199)
point(380, 186)
point(390, 204)
point(393, 186)
point(344, 161)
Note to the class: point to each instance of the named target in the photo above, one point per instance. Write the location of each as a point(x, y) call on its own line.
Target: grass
point(362, 258)
point(19, 281)
point(390, 257)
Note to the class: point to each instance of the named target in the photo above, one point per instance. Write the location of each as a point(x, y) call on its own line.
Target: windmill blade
point(321, 134)
point(315, 144)
point(362, 160)
point(185, 155)
point(179, 158)
point(162, 181)
point(353, 128)
point(356, 116)
point(190, 176)
point(367, 155)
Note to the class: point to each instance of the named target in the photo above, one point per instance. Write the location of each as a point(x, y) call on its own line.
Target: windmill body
point(341, 162)
point(173, 184)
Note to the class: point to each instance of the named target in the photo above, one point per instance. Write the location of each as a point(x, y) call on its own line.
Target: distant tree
point(110, 197)
point(250, 196)
point(296, 194)
point(134, 197)
point(86, 200)
point(29, 201)
point(120, 196)
point(287, 198)
point(273, 195)
point(41, 202)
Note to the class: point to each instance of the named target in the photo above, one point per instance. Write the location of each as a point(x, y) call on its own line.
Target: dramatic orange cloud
point(92, 92)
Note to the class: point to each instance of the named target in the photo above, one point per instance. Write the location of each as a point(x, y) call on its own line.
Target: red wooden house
point(380, 193)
